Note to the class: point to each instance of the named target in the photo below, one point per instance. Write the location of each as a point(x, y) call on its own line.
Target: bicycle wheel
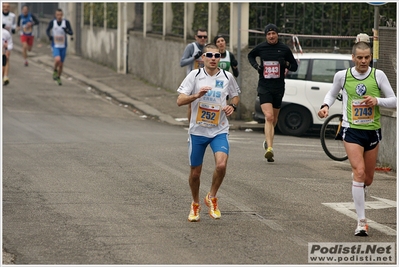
point(333, 148)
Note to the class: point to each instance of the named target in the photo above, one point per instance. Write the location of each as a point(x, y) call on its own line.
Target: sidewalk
point(123, 88)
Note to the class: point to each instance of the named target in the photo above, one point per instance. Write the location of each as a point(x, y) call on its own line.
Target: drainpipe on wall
point(125, 38)
point(239, 53)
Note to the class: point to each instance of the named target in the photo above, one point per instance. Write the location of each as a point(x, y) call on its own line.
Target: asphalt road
point(88, 181)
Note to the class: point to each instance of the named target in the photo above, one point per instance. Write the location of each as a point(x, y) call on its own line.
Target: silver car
point(305, 90)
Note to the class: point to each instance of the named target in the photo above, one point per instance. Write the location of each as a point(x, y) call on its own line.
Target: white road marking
point(347, 207)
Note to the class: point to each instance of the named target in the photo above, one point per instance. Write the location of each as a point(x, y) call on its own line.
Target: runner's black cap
point(271, 27)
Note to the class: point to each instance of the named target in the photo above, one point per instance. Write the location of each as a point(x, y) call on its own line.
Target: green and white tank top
point(225, 63)
point(358, 115)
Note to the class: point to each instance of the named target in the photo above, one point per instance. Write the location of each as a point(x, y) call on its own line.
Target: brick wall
point(387, 58)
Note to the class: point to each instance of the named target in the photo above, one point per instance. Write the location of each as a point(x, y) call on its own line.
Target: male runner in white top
point(10, 24)
point(57, 31)
point(7, 46)
point(206, 89)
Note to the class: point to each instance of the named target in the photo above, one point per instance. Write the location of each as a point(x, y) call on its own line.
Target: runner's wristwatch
point(324, 105)
point(234, 106)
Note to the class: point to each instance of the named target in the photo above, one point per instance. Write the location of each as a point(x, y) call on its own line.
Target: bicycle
point(333, 146)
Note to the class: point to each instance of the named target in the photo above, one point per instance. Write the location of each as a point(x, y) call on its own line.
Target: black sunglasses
point(210, 55)
point(202, 36)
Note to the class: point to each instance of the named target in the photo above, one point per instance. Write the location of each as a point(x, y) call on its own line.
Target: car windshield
point(321, 70)
point(300, 74)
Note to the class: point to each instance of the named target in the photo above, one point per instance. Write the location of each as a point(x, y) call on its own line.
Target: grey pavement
point(126, 89)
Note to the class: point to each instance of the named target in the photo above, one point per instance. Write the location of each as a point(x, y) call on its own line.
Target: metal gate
point(42, 10)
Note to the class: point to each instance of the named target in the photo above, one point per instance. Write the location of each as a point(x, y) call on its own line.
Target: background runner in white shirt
point(7, 46)
point(10, 24)
point(57, 31)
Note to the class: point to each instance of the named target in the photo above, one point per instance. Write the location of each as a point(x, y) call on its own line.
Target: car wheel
point(294, 120)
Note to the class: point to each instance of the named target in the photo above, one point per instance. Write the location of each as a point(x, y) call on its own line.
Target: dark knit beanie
point(217, 37)
point(271, 27)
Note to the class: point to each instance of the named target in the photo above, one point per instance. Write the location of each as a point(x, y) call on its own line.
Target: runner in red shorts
point(25, 24)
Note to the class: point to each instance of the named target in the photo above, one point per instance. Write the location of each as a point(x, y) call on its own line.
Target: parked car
point(305, 90)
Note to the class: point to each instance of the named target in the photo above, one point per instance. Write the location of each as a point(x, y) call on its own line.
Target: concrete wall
point(100, 45)
point(249, 84)
point(41, 30)
point(156, 60)
point(387, 155)
point(387, 62)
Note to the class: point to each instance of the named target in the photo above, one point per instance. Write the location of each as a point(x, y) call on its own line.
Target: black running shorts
point(275, 97)
point(368, 139)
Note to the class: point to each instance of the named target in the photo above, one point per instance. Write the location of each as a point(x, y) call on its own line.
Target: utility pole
point(376, 42)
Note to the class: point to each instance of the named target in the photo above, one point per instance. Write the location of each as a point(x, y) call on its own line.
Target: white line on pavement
point(346, 209)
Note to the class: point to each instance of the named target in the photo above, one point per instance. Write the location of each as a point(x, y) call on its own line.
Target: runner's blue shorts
point(368, 139)
point(59, 52)
point(198, 144)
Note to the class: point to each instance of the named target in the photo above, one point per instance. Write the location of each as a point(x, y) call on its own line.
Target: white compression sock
point(358, 199)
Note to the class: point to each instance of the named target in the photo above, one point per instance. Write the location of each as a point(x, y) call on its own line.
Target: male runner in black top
point(275, 58)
